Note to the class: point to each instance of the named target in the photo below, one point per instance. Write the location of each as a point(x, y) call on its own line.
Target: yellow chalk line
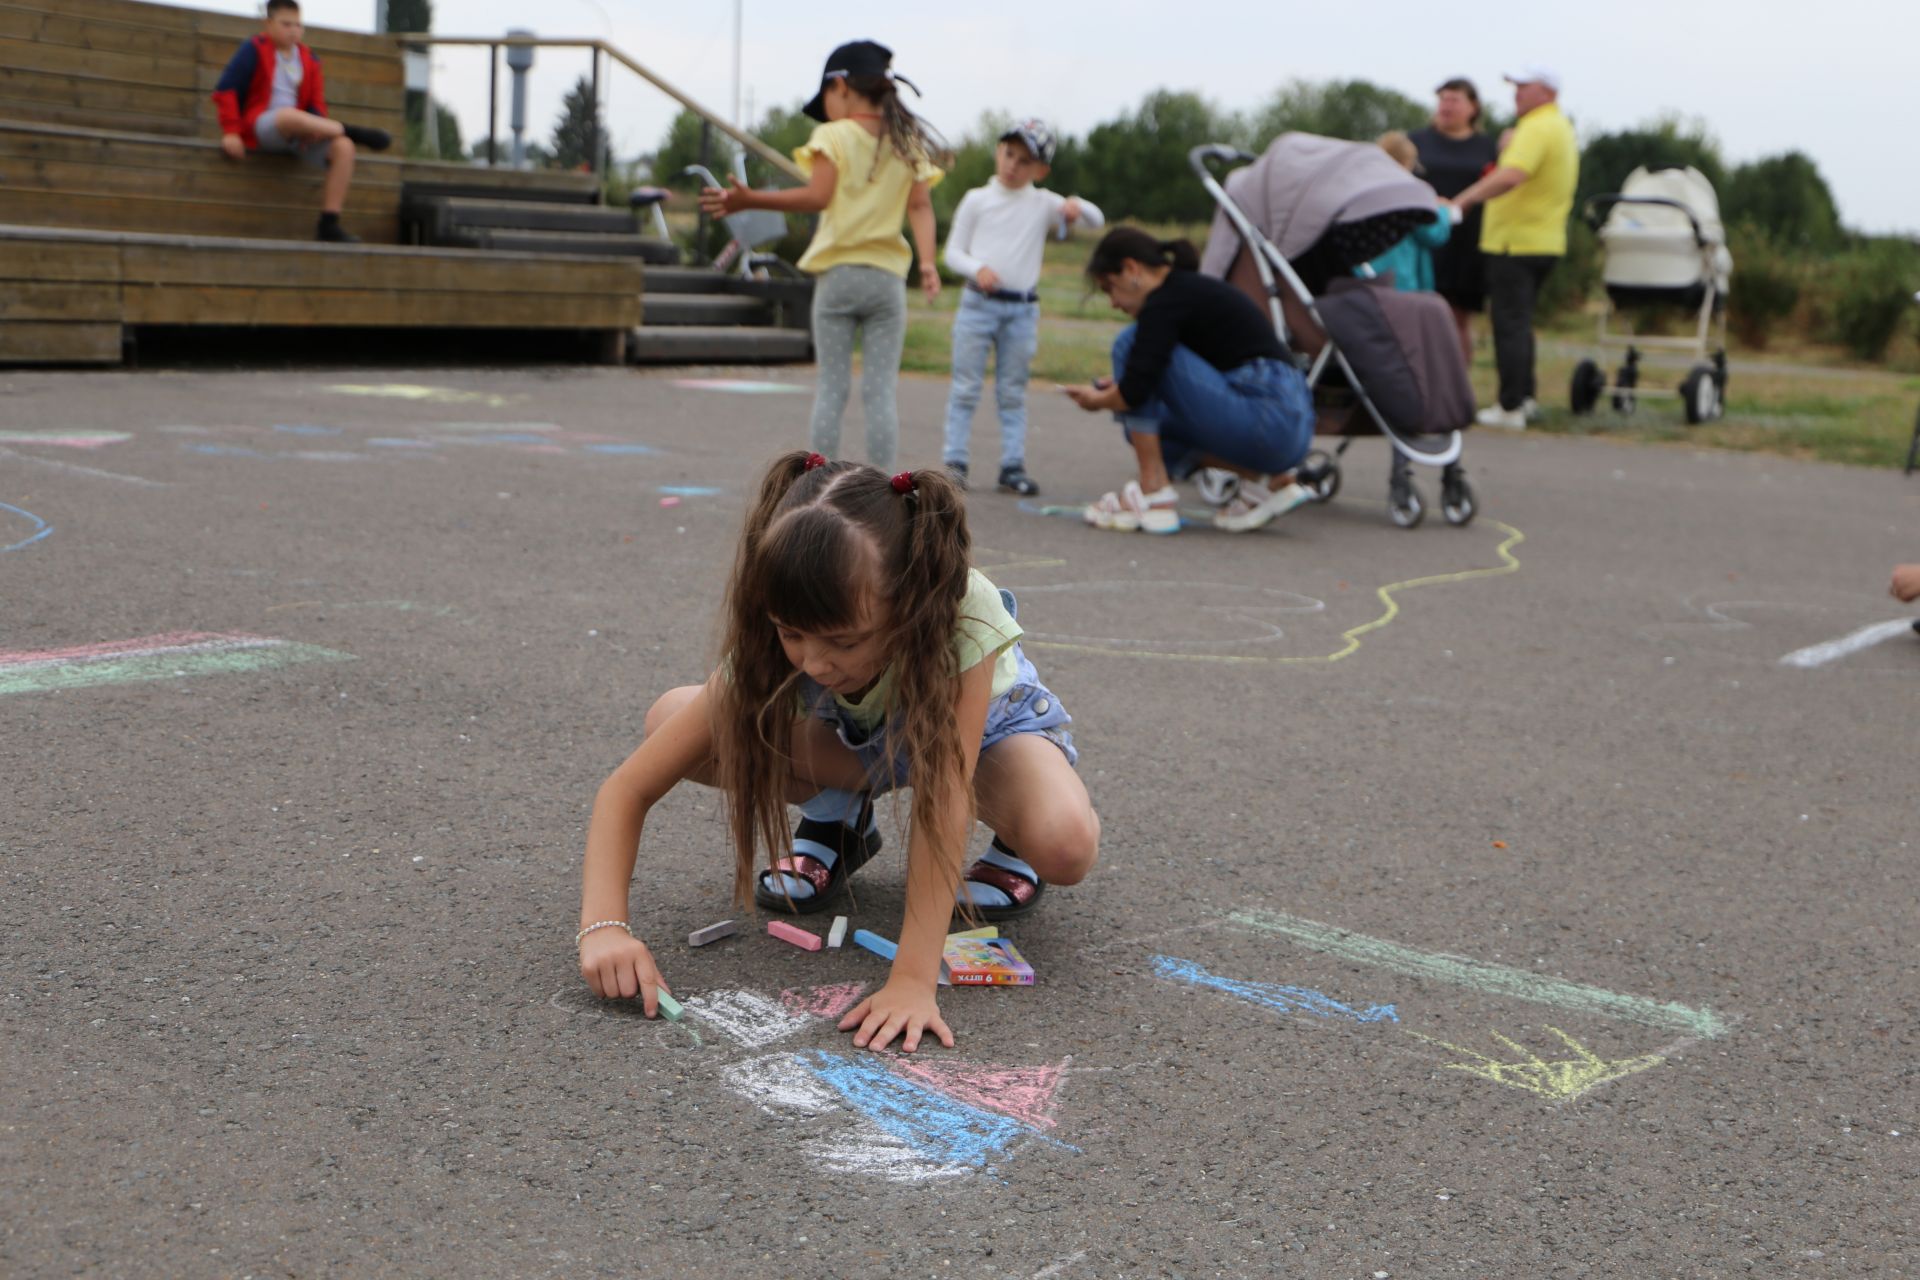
point(1352, 637)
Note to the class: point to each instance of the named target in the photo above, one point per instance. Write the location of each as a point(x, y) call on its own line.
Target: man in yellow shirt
point(1529, 196)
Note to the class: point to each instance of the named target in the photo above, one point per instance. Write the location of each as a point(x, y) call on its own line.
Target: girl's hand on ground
point(1906, 583)
point(903, 1009)
point(716, 203)
point(930, 280)
point(617, 965)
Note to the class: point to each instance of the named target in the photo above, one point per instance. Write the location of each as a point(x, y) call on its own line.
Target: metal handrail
point(496, 43)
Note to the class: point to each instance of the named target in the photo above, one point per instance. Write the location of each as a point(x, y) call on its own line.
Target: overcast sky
point(1835, 80)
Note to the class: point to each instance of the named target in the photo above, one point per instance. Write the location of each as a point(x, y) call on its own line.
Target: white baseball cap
point(1534, 73)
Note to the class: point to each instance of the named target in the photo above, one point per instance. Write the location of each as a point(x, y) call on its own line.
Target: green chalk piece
point(669, 1007)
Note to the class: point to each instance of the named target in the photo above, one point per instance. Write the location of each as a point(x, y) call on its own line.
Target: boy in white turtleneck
point(998, 235)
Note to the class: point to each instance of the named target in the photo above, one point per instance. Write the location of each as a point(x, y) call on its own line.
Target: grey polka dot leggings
point(873, 302)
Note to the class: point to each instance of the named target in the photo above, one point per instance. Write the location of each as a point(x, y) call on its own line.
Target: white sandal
point(1256, 506)
point(1131, 511)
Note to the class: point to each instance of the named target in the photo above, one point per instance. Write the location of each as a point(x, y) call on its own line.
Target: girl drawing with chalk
point(861, 653)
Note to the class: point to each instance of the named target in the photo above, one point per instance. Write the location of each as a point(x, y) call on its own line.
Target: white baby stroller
point(1309, 213)
point(1664, 247)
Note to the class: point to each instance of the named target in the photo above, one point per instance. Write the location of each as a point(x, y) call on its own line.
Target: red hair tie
point(903, 483)
point(815, 460)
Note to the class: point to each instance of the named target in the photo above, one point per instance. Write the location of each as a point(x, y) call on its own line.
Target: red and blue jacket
point(246, 86)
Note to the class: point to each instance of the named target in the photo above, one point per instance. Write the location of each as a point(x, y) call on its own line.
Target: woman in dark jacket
point(1200, 380)
point(1455, 154)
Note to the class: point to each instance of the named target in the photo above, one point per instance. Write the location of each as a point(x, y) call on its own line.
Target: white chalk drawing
point(1189, 616)
point(751, 1020)
point(1819, 655)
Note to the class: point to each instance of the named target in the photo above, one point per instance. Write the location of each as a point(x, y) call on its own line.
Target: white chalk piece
point(837, 934)
point(713, 933)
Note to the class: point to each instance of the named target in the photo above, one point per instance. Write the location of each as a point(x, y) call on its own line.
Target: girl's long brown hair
point(910, 137)
point(818, 548)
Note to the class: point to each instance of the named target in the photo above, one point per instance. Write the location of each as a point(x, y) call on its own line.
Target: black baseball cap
point(861, 58)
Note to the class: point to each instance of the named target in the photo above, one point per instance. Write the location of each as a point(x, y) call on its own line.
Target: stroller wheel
point(1457, 502)
point(1588, 383)
point(1625, 402)
point(1403, 503)
point(1320, 475)
point(1700, 395)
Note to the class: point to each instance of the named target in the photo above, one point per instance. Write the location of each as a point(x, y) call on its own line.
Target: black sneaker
point(333, 233)
point(369, 139)
point(1015, 479)
point(958, 470)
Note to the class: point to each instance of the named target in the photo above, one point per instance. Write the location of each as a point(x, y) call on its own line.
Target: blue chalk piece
point(874, 943)
point(1271, 994)
point(621, 448)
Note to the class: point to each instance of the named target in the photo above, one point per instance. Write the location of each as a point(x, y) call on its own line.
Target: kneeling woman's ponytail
point(1123, 243)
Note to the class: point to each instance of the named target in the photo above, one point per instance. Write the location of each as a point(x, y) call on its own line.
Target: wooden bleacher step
point(705, 309)
point(717, 344)
point(516, 240)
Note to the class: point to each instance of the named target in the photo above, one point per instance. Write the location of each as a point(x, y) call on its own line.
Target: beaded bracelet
point(602, 924)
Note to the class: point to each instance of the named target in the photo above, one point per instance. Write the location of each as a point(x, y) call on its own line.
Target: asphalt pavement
point(1491, 901)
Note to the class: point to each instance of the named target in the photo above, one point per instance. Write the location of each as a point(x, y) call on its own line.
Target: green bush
point(1868, 294)
point(1766, 285)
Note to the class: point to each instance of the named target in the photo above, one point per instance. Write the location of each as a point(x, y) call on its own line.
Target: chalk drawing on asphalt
point(1559, 1078)
point(1350, 640)
point(37, 528)
point(1271, 995)
point(1195, 612)
point(1819, 655)
point(741, 386)
point(170, 655)
point(422, 394)
point(66, 438)
point(75, 469)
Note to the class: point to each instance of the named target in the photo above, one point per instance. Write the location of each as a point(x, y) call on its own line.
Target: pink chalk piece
point(669, 502)
point(824, 1002)
point(792, 933)
point(1025, 1093)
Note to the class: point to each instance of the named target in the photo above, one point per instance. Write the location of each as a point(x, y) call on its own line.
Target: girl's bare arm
point(920, 218)
point(812, 198)
point(613, 963)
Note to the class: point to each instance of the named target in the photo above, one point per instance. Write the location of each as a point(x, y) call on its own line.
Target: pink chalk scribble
point(1025, 1093)
point(824, 1002)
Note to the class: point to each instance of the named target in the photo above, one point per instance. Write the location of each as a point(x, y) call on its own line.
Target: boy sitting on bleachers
point(271, 98)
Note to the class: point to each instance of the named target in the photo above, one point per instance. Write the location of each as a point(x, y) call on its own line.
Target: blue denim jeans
point(1011, 330)
point(1259, 416)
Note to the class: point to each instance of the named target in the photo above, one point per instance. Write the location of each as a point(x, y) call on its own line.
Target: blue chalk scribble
point(931, 1123)
point(690, 490)
point(304, 429)
point(1271, 994)
point(224, 450)
point(622, 448)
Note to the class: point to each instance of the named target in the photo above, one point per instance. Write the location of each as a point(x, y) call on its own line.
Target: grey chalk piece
point(713, 933)
point(837, 934)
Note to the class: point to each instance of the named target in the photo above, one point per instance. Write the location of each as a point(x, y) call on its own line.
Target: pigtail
point(753, 697)
point(930, 581)
point(906, 134)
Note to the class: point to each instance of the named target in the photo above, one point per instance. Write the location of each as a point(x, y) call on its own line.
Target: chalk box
point(985, 962)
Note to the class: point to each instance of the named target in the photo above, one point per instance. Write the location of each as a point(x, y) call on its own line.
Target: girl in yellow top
point(863, 652)
point(868, 165)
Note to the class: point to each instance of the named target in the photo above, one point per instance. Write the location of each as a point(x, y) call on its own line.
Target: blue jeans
point(1259, 416)
point(1012, 331)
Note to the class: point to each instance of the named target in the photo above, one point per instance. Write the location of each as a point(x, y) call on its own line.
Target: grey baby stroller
point(1665, 248)
point(1291, 228)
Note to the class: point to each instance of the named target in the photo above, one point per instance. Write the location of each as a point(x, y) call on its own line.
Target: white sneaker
point(1254, 506)
point(1505, 419)
point(1530, 409)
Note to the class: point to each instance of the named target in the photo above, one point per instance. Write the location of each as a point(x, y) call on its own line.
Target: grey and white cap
point(1037, 136)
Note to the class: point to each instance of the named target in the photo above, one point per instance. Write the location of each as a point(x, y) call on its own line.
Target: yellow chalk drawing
point(1351, 638)
point(1560, 1079)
